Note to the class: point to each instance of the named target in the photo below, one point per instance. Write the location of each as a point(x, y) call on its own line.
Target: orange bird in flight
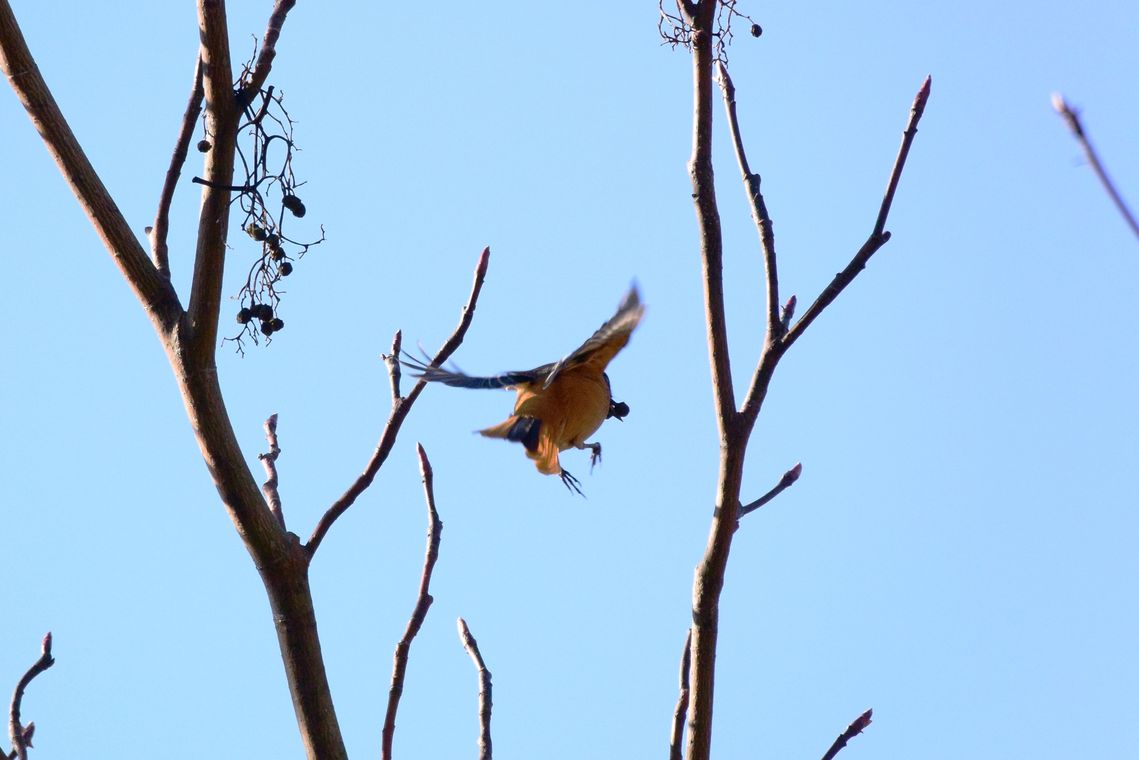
point(559, 405)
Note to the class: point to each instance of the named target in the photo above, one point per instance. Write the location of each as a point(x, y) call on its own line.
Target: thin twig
point(422, 602)
point(472, 648)
point(854, 729)
point(1072, 117)
point(20, 734)
point(159, 250)
point(269, 462)
point(676, 739)
point(268, 48)
point(759, 215)
point(878, 237)
point(399, 411)
point(784, 483)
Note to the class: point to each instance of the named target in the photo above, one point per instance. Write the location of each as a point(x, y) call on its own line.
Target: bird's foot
point(572, 483)
point(595, 456)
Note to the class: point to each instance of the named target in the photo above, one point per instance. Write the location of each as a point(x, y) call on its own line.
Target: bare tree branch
point(422, 602)
point(784, 483)
point(700, 34)
point(485, 703)
point(676, 738)
point(269, 462)
point(159, 250)
point(213, 221)
point(152, 289)
point(20, 734)
point(1072, 118)
point(268, 50)
point(759, 215)
point(854, 729)
point(878, 237)
point(701, 18)
point(400, 407)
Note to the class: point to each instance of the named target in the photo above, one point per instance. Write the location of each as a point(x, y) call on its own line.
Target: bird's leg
point(572, 483)
point(595, 456)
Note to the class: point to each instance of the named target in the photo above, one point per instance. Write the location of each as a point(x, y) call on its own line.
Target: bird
point(561, 404)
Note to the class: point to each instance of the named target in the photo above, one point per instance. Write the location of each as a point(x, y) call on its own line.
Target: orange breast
point(571, 409)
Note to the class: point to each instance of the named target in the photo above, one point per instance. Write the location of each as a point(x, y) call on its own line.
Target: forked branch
point(422, 603)
point(400, 408)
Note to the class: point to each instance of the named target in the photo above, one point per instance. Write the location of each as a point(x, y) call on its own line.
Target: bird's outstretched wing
point(460, 380)
point(610, 338)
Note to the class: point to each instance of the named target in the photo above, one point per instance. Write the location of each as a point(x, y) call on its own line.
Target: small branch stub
point(854, 729)
point(784, 483)
point(269, 462)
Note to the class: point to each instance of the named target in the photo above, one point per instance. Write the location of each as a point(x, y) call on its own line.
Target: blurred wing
point(460, 380)
point(610, 338)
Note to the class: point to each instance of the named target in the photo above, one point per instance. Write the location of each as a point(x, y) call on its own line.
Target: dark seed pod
point(204, 146)
point(294, 204)
point(272, 240)
point(276, 254)
point(286, 268)
point(267, 328)
point(277, 324)
point(262, 311)
point(244, 316)
point(756, 30)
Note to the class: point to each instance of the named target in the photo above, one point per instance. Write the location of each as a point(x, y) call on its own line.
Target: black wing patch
point(458, 379)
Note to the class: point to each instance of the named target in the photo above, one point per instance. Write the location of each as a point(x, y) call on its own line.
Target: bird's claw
point(595, 456)
point(572, 483)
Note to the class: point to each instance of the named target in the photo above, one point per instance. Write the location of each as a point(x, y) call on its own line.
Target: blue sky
point(959, 554)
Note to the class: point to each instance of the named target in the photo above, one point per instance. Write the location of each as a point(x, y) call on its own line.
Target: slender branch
point(269, 462)
point(854, 729)
point(676, 738)
point(268, 50)
point(17, 63)
point(700, 170)
point(422, 602)
point(1072, 118)
point(759, 215)
point(20, 734)
point(400, 408)
point(784, 483)
point(213, 220)
point(158, 248)
point(878, 237)
point(472, 648)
